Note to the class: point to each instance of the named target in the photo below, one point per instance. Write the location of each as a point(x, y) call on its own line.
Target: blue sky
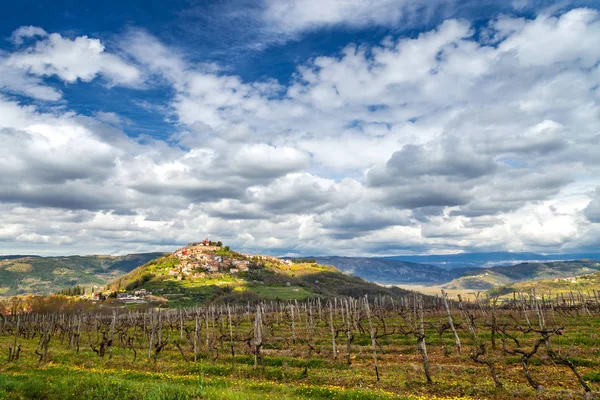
point(300, 127)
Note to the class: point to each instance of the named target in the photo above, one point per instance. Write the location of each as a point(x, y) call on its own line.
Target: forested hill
point(20, 275)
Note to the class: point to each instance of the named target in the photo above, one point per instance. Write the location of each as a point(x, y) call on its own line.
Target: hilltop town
point(198, 259)
point(200, 268)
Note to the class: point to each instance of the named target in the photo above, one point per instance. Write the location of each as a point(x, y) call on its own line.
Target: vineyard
point(340, 348)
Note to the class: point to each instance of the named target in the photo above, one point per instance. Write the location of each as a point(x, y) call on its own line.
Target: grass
point(280, 292)
point(592, 377)
point(301, 269)
point(436, 290)
point(72, 382)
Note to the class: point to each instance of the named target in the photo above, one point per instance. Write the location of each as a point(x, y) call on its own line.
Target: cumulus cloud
point(17, 81)
point(26, 32)
point(40, 55)
point(297, 15)
point(264, 161)
point(360, 219)
point(549, 40)
point(592, 211)
point(80, 58)
point(462, 137)
point(416, 162)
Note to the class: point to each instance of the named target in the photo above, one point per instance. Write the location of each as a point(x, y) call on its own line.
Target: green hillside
point(21, 275)
point(484, 279)
point(240, 277)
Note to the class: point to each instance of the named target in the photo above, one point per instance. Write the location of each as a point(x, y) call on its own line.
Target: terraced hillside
point(20, 275)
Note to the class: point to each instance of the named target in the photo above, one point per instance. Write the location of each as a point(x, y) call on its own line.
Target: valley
point(431, 279)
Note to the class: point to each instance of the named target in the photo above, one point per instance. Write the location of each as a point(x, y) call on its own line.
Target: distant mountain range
point(484, 279)
point(486, 260)
point(388, 271)
point(394, 272)
point(25, 274)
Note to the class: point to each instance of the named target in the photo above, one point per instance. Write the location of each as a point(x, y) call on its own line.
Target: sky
point(306, 127)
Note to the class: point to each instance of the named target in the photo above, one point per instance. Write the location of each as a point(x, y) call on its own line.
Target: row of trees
point(73, 291)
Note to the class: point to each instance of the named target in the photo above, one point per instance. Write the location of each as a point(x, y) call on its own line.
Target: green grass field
point(64, 382)
point(280, 292)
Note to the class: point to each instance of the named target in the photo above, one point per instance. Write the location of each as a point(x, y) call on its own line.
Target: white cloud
point(303, 193)
point(260, 160)
point(303, 14)
point(23, 71)
point(548, 40)
point(299, 15)
point(111, 118)
point(448, 140)
point(592, 210)
point(80, 58)
point(27, 32)
point(16, 80)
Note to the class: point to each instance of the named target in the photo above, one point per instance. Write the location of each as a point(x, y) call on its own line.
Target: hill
point(465, 271)
point(388, 272)
point(586, 283)
point(206, 273)
point(410, 274)
point(490, 259)
point(484, 279)
point(20, 275)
